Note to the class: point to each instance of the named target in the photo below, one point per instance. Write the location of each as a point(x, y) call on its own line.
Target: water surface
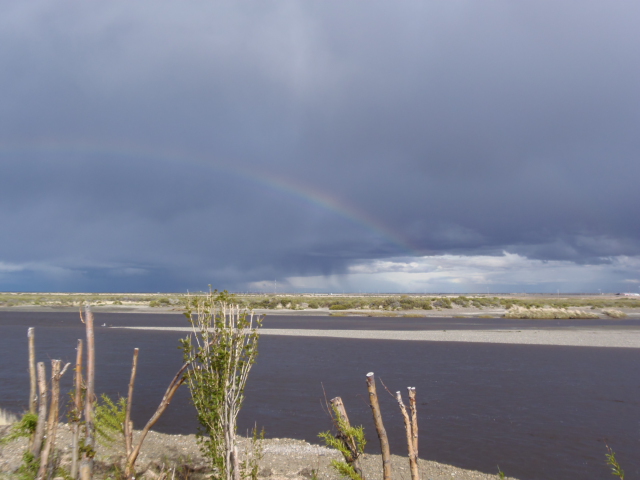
point(540, 412)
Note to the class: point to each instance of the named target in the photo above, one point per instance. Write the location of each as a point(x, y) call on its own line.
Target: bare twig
point(326, 402)
point(385, 387)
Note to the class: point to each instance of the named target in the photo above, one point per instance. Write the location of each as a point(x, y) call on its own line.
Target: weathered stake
point(75, 426)
point(86, 465)
point(54, 413)
point(414, 417)
point(33, 394)
point(36, 445)
point(348, 440)
point(128, 425)
point(413, 455)
point(382, 433)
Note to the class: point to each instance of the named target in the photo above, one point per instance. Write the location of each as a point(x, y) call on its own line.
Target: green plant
point(253, 454)
point(500, 473)
point(339, 442)
point(339, 306)
point(220, 352)
point(109, 419)
point(28, 470)
point(613, 463)
point(24, 428)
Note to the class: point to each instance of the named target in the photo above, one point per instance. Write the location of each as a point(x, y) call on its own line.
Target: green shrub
point(339, 306)
point(547, 313)
point(109, 419)
point(220, 353)
point(24, 428)
point(345, 468)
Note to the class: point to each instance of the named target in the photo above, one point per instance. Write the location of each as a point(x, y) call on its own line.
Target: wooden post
point(75, 427)
point(414, 418)
point(382, 433)
point(36, 445)
point(164, 403)
point(413, 456)
point(54, 413)
point(33, 393)
point(348, 440)
point(86, 465)
point(128, 425)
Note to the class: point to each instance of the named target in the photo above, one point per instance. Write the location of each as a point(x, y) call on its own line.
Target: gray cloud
point(133, 138)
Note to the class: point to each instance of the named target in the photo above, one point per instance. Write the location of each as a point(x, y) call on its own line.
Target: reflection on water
point(539, 412)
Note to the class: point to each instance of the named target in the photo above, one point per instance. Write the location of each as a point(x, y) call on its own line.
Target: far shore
point(455, 312)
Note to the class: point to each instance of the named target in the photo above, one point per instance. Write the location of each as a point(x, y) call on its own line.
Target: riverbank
point(409, 305)
point(454, 312)
point(283, 459)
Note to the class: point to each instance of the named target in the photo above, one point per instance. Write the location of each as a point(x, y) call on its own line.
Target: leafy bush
point(443, 302)
point(547, 313)
point(24, 428)
point(220, 353)
point(109, 419)
point(339, 306)
point(345, 469)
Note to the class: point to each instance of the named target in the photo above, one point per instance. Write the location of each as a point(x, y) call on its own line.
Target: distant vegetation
point(383, 303)
point(548, 313)
point(419, 302)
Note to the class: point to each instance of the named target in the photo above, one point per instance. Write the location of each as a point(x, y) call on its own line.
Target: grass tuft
point(519, 312)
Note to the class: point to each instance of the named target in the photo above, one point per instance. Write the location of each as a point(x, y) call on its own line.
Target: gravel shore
point(623, 338)
point(284, 459)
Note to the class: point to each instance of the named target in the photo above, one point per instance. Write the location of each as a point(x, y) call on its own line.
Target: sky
point(320, 146)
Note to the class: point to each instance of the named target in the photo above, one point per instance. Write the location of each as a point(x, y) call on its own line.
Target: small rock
point(306, 472)
point(265, 472)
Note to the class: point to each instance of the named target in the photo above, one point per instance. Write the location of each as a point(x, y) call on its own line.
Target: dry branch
point(382, 433)
point(166, 400)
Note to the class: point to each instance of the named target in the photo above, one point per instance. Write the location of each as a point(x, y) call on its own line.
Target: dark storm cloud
point(466, 128)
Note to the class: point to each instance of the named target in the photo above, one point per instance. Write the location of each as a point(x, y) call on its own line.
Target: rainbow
point(307, 193)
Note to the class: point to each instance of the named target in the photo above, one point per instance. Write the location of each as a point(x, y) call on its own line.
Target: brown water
point(540, 412)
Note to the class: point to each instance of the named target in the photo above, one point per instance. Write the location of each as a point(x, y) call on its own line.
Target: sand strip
point(578, 338)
